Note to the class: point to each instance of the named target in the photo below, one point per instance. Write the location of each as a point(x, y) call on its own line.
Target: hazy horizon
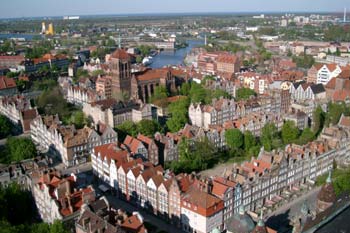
point(51, 8)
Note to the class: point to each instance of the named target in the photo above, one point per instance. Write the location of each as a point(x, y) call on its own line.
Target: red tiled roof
point(120, 54)
point(134, 225)
point(153, 74)
point(112, 151)
point(144, 139)
point(201, 202)
point(6, 83)
point(132, 143)
point(227, 58)
point(18, 58)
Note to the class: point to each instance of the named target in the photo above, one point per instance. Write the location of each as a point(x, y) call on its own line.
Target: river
point(174, 57)
point(19, 36)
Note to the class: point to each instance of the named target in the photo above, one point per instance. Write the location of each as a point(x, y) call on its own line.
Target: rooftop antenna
point(119, 42)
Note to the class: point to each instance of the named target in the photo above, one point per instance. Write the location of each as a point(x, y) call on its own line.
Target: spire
point(329, 178)
point(261, 222)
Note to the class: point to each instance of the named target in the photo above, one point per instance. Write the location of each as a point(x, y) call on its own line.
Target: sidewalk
point(154, 220)
point(295, 205)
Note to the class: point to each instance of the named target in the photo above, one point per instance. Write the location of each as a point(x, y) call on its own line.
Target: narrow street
point(154, 220)
point(280, 219)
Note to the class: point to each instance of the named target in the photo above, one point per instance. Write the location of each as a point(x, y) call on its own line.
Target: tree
point(269, 137)
point(289, 132)
point(319, 120)
point(185, 89)
point(97, 73)
point(148, 127)
point(197, 93)
point(306, 136)
point(22, 85)
point(139, 59)
point(249, 140)
point(160, 96)
point(179, 114)
point(219, 93)
point(20, 149)
point(57, 227)
point(79, 119)
point(193, 155)
point(304, 61)
point(335, 110)
point(5, 127)
point(15, 205)
point(126, 128)
point(51, 102)
point(234, 138)
point(244, 93)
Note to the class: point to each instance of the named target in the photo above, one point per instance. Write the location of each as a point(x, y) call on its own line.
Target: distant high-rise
point(345, 15)
point(43, 28)
point(50, 31)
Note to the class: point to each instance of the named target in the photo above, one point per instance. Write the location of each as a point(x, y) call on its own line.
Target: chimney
point(70, 205)
point(67, 184)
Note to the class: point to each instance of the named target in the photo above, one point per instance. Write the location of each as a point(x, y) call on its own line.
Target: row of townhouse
point(181, 199)
point(216, 133)
point(78, 95)
point(323, 73)
point(71, 145)
point(142, 146)
point(57, 197)
point(18, 110)
point(222, 110)
point(307, 91)
point(203, 205)
point(114, 113)
point(265, 179)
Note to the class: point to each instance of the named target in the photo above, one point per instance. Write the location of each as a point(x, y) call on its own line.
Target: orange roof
point(201, 202)
point(153, 74)
point(219, 189)
point(332, 67)
point(227, 58)
point(132, 143)
point(120, 54)
point(145, 139)
point(344, 121)
point(133, 224)
point(6, 83)
point(112, 151)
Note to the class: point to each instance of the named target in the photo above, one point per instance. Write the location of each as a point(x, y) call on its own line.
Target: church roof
point(240, 222)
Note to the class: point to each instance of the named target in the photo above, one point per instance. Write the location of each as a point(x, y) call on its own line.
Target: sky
point(33, 8)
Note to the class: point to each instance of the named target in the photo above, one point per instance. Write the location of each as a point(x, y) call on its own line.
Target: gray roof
point(240, 223)
point(317, 88)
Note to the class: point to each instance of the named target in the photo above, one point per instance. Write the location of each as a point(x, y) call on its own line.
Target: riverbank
point(174, 57)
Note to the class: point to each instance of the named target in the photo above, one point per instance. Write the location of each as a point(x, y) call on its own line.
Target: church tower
point(120, 66)
point(326, 197)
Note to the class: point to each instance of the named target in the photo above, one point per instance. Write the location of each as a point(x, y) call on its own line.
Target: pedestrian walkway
point(154, 220)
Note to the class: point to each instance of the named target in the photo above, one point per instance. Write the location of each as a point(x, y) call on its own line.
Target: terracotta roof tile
point(6, 83)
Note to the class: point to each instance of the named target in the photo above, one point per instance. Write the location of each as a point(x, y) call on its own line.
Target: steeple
point(261, 222)
point(241, 210)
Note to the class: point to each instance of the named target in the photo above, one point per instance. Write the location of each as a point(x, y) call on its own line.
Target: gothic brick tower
point(120, 66)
